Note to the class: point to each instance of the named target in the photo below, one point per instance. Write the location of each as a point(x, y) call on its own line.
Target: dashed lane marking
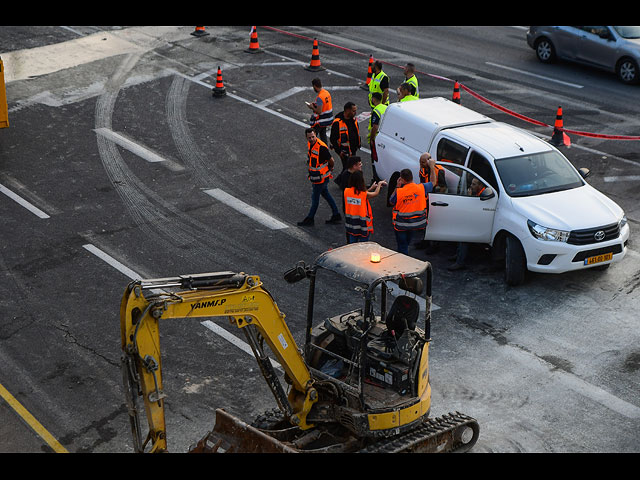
point(137, 149)
point(246, 209)
point(17, 198)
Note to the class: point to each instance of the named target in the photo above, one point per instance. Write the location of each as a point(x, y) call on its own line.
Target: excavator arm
point(248, 306)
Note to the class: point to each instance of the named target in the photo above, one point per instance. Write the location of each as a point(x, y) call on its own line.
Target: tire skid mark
point(150, 212)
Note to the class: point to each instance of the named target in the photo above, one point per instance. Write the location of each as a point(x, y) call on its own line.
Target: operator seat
point(402, 315)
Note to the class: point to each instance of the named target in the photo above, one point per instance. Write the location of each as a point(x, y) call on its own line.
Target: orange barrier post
point(254, 45)
point(315, 65)
point(456, 93)
point(219, 90)
point(559, 138)
point(4, 109)
point(199, 32)
point(369, 74)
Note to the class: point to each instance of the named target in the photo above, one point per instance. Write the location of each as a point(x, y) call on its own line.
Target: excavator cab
point(360, 383)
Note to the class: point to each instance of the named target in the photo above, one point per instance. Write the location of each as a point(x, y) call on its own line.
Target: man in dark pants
point(320, 167)
point(345, 133)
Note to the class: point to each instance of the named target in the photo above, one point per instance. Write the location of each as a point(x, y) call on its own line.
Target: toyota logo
point(599, 235)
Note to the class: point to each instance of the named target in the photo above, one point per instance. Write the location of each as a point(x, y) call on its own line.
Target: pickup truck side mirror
point(487, 193)
point(585, 172)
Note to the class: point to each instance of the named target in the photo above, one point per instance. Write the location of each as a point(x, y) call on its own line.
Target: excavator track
point(451, 433)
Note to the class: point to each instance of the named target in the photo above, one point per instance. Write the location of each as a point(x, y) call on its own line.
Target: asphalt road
point(124, 162)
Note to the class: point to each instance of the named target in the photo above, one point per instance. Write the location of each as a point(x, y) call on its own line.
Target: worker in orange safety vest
point(358, 216)
point(409, 201)
point(320, 168)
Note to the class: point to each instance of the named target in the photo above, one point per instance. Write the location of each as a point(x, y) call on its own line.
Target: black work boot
point(337, 218)
point(307, 222)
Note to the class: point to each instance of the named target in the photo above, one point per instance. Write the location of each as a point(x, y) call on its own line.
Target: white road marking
point(246, 209)
point(112, 261)
point(628, 178)
point(245, 347)
point(578, 385)
point(136, 148)
point(207, 323)
point(523, 72)
point(17, 198)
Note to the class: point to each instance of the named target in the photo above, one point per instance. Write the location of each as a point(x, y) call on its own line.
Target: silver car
point(615, 49)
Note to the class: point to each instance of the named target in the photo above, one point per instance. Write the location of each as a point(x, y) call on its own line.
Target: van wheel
point(391, 186)
point(515, 262)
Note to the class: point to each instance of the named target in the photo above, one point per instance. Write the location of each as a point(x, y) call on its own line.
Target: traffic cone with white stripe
point(315, 65)
point(219, 90)
point(254, 45)
point(199, 32)
point(559, 138)
point(456, 93)
point(365, 86)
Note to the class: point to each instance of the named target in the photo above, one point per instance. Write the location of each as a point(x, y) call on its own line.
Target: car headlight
point(623, 222)
point(546, 233)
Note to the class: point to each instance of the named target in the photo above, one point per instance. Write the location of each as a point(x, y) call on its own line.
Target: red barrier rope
point(471, 92)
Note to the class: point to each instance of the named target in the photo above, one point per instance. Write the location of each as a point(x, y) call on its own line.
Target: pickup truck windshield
point(535, 174)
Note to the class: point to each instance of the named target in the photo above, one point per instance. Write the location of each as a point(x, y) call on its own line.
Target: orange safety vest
point(358, 218)
point(326, 115)
point(410, 210)
point(424, 175)
point(343, 137)
point(318, 172)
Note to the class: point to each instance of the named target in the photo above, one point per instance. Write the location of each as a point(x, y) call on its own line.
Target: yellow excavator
point(360, 383)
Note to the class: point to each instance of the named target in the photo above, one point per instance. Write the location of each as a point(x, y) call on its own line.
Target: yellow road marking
point(31, 421)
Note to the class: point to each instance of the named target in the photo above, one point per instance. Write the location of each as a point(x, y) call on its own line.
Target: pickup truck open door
point(459, 215)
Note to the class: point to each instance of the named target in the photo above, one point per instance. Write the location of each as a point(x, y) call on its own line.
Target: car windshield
point(536, 174)
point(628, 32)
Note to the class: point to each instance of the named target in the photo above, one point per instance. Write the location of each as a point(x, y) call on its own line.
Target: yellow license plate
point(598, 258)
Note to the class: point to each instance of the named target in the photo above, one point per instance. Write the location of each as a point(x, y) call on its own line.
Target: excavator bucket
point(232, 435)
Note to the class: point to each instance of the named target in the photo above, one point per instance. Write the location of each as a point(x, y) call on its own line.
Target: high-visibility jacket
point(326, 115)
point(379, 111)
point(410, 210)
point(424, 175)
point(318, 172)
point(414, 81)
point(374, 86)
point(358, 219)
point(343, 137)
point(408, 98)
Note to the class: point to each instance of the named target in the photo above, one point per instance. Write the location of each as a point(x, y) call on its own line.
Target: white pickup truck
point(536, 211)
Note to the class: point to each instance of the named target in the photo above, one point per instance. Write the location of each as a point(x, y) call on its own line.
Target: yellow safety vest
point(374, 86)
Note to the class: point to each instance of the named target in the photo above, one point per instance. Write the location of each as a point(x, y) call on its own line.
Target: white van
point(536, 209)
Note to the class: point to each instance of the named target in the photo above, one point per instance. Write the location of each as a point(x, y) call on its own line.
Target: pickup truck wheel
point(515, 262)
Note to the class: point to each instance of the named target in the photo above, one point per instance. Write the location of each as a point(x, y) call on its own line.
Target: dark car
point(615, 49)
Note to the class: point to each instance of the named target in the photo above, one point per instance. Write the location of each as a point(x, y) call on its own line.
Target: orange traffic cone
point(219, 90)
point(254, 46)
point(456, 93)
point(559, 138)
point(369, 74)
point(199, 32)
point(315, 66)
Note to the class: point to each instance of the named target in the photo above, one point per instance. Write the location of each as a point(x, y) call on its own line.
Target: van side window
point(449, 151)
point(481, 166)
